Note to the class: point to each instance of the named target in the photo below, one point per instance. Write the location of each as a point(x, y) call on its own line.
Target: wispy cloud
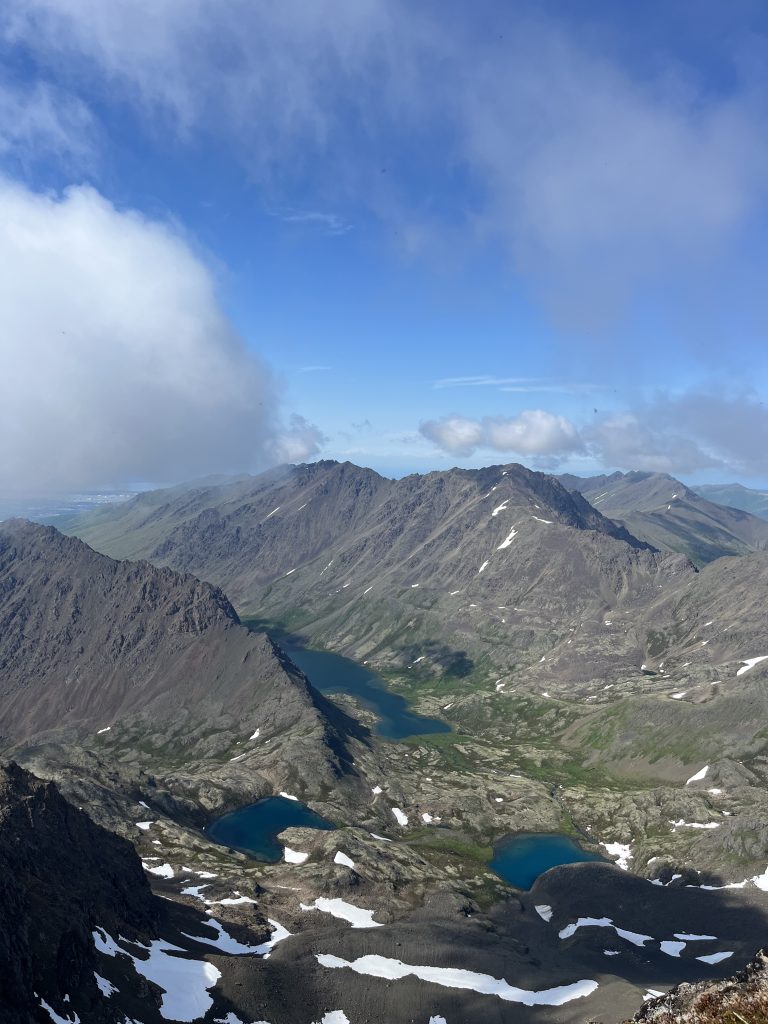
point(518, 385)
point(314, 369)
point(597, 174)
point(329, 223)
point(40, 121)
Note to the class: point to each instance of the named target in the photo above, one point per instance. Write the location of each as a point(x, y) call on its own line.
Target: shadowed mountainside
point(60, 876)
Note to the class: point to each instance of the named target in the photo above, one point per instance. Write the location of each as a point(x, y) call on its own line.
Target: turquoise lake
point(331, 673)
point(254, 829)
point(520, 859)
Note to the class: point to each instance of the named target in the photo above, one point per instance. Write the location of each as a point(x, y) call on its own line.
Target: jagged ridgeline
point(92, 646)
point(497, 567)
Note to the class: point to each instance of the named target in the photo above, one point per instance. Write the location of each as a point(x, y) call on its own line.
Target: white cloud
point(300, 441)
point(533, 432)
point(117, 361)
point(677, 434)
point(686, 432)
point(455, 434)
point(630, 441)
point(596, 172)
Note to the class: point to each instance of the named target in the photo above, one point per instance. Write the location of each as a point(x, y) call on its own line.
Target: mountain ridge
point(671, 516)
point(92, 649)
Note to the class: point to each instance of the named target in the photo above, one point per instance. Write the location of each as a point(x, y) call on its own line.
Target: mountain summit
point(662, 511)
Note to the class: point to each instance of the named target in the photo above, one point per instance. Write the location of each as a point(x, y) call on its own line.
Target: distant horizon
point(108, 494)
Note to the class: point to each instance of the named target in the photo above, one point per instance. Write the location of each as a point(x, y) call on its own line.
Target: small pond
point(520, 859)
point(254, 829)
point(331, 673)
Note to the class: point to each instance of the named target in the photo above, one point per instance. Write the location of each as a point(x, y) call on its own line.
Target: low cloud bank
point(670, 434)
point(118, 363)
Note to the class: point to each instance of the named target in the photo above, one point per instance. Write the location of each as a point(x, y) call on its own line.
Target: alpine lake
point(518, 859)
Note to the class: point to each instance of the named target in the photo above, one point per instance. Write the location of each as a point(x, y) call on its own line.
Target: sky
point(240, 232)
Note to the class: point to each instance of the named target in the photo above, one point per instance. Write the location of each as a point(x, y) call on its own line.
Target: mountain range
point(593, 683)
point(665, 513)
point(736, 496)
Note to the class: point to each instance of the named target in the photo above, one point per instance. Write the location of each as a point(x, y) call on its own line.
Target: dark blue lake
point(330, 673)
point(520, 859)
point(254, 829)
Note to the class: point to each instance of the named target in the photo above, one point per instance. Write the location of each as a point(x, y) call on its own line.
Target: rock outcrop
point(61, 876)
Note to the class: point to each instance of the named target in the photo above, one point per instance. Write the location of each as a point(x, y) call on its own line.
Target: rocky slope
point(60, 876)
point(360, 562)
point(672, 517)
point(743, 997)
point(501, 602)
point(156, 663)
point(736, 496)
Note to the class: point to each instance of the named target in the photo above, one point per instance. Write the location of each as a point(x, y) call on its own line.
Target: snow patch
point(750, 663)
point(698, 776)
point(621, 851)
point(195, 890)
point(636, 938)
point(227, 944)
point(55, 1017)
point(343, 859)
point(162, 870)
point(185, 983)
point(453, 977)
point(544, 911)
point(106, 988)
point(294, 856)
point(714, 958)
point(356, 916)
point(402, 819)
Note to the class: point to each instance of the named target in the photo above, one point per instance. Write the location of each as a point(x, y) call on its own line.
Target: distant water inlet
point(254, 829)
point(520, 859)
point(330, 673)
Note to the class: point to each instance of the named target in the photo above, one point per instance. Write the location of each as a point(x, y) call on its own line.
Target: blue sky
point(409, 235)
